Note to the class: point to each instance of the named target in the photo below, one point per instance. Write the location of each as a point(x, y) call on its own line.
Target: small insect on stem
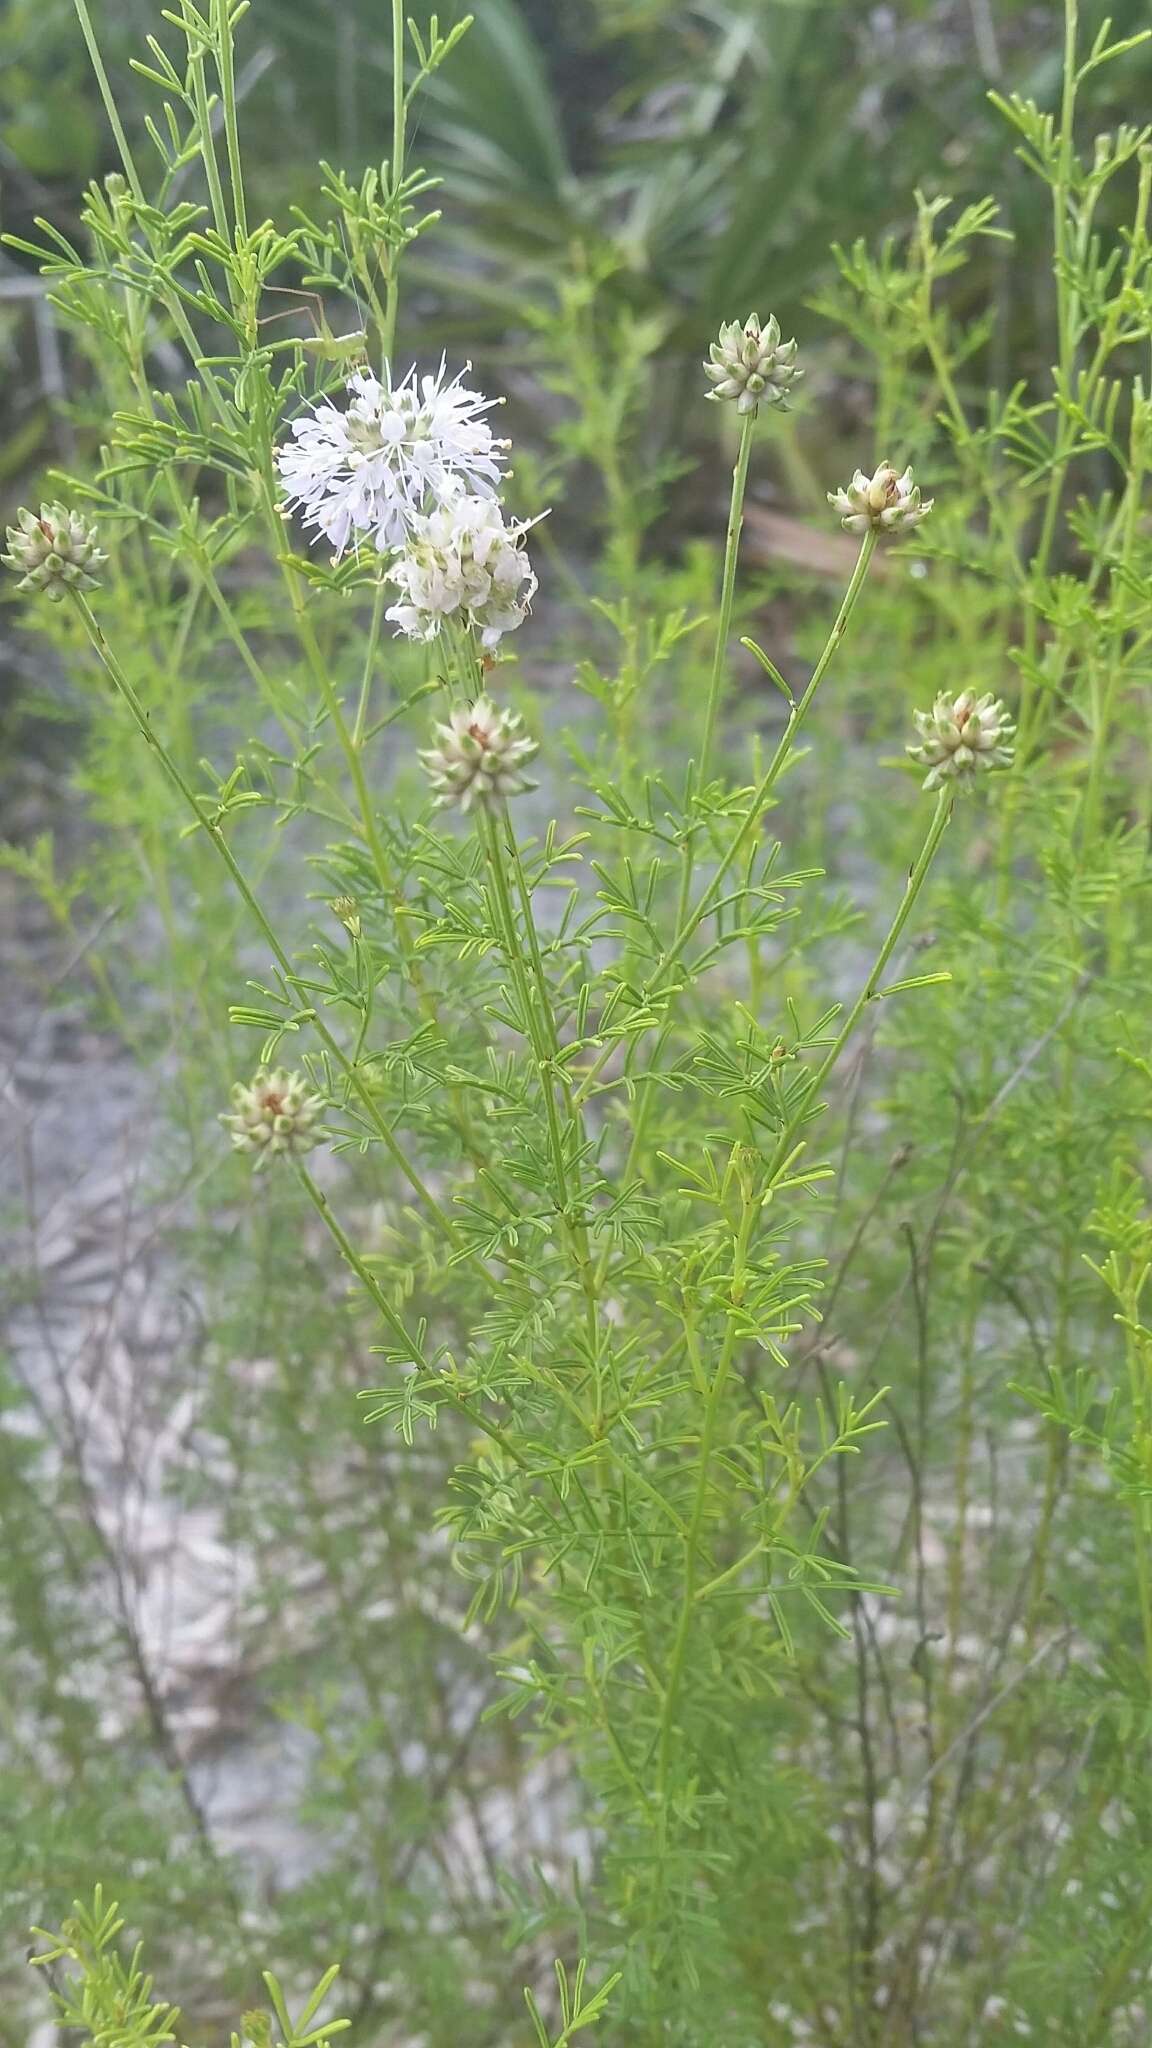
point(348, 349)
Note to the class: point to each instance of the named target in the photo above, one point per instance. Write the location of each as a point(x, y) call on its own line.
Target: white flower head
point(276, 1113)
point(885, 502)
point(462, 561)
point(479, 753)
point(54, 550)
point(962, 737)
point(397, 451)
point(750, 365)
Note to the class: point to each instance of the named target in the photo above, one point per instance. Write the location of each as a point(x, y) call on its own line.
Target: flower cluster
point(413, 470)
point(884, 503)
point(55, 551)
point(372, 472)
point(479, 753)
point(962, 737)
point(276, 1113)
point(750, 365)
point(462, 561)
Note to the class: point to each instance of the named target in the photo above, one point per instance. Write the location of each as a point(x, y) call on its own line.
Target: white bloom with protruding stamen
point(962, 737)
point(463, 562)
point(884, 502)
point(480, 752)
point(276, 1113)
point(372, 471)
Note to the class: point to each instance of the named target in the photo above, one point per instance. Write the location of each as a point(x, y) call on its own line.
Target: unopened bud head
point(276, 1113)
point(750, 366)
point(54, 550)
point(347, 910)
point(883, 503)
point(962, 738)
point(479, 753)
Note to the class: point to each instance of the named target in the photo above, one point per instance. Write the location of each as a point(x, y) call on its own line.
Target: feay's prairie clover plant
point(611, 1371)
point(609, 1322)
point(580, 1067)
point(606, 1321)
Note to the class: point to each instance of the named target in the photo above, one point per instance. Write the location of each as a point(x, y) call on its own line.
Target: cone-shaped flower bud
point(961, 738)
point(750, 366)
point(347, 910)
point(885, 502)
point(54, 550)
point(479, 753)
point(276, 1113)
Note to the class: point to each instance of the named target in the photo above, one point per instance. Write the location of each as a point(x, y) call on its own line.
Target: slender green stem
point(916, 879)
point(750, 1209)
point(775, 767)
point(361, 719)
point(1101, 693)
point(516, 864)
point(1067, 328)
point(727, 593)
point(692, 1558)
point(751, 820)
point(540, 1024)
point(391, 1315)
point(1067, 298)
point(226, 66)
point(1116, 1983)
point(536, 1031)
point(106, 94)
point(318, 667)
point(732, 1571)
point(395, 1321)
point(271, 693)
point(354, 762)
point(176, 778)
point(1143, 1584)
point(173, 306)
point(396, 175)
point(1138, 1353)
point(399, 121)
point(589, 1278)
point(168, 296)
point(197, 56)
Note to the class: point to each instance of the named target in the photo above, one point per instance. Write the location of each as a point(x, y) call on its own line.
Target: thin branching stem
point(748, 826)
point(293, 980)
point(871, 991)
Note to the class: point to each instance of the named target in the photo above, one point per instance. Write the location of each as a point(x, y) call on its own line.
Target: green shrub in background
point(696, 158)
point(733, 1155)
